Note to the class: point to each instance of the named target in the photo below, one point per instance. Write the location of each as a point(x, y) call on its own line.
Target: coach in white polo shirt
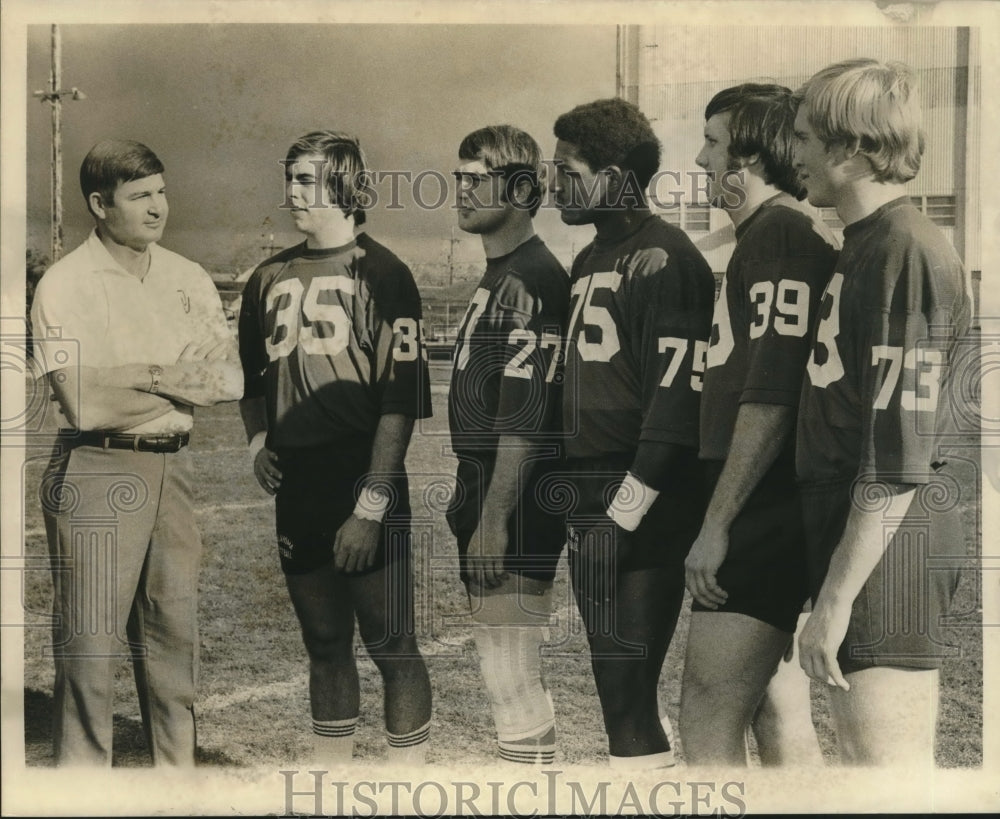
point(132, 337)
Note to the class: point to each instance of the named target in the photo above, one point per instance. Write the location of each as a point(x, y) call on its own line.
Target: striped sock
point(333, 740)
point(535, 750)
point(409, 748)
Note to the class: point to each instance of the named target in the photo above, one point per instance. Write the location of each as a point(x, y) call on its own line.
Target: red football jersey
point(333, 338)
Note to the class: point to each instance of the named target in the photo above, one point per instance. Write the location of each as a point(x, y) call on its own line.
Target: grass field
point(253, 705)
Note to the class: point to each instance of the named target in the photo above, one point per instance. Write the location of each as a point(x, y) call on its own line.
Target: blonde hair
point(871, 106)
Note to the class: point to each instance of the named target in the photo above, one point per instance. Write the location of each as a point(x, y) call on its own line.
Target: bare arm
point(760, 433)
point(203, 376)
point(489, 542)
point(861, 547)
point(357, 539)
point(392, 437)
point(266, 469)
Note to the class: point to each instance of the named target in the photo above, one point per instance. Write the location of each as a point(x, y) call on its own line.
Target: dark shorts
point(319, 489)
point(764, 572)
point(536, 532)
point(668, 528)
point(896, 620)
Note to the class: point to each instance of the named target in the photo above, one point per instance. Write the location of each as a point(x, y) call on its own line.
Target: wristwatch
point(155, 372)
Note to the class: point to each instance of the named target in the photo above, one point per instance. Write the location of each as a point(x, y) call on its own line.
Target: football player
point(746, 571)
point(335, 371)
point(881, 511)
point(502, 408)
point(640, 312)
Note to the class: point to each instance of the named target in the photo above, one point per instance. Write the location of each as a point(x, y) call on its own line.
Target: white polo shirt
point(89, 311)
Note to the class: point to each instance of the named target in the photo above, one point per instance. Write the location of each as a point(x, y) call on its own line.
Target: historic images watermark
point(549, 793)
point(432, 189)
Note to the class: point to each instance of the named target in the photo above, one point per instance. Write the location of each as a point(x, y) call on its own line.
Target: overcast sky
point(221, 103)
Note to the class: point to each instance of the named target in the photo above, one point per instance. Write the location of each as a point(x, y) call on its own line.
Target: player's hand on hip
point(819, 642)
point(265, 469)
point(356, 544)
point(701, 565)
point(485, 557)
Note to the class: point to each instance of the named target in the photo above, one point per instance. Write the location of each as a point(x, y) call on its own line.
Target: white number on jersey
point(476, 307)
point(825, 374)
point(698, 365)
point(722, 332)
point(791, 316)
point(552, 341)
point(289, 317)
point(679, 346)
point(518, 366)
point(926, 366)
point(594, 316)
point(409, 339)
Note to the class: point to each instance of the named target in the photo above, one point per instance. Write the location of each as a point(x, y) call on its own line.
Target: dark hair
point(761, 121)
point(511, 152)
point(612, 132)
point(112, 162)
point(346, 175)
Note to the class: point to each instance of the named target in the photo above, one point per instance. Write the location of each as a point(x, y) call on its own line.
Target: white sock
point(409, 748)
point(333, 740)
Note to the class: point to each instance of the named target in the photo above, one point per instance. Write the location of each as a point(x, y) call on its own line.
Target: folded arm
point(203, 376)
point(89, 404)
point(122, 397)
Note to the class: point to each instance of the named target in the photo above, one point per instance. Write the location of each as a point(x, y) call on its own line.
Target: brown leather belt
point(118, 440)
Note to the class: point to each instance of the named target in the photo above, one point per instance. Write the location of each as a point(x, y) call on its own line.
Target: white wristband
point(372, 504)
point(257, 443)
point(631, 502)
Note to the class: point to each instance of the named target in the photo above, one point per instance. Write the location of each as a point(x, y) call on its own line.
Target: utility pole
point(54, 96)
point(451, 257)
point(270, 246)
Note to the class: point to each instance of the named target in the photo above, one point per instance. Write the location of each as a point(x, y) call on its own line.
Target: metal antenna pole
point(57, 181)
point(54, 96)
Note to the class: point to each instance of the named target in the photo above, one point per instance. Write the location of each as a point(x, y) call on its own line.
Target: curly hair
point(346, 174)
point(612, 132)
point(870, 105)
point(510, 151)
point(761, 121)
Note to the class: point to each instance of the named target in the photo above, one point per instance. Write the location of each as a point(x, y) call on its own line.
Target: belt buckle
point(136, 439)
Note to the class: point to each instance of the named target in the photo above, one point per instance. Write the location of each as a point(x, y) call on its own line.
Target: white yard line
point(220, 702)
point(298, 684)
point(233, 507)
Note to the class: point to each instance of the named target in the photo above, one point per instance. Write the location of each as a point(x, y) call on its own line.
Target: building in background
point(671, 72)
